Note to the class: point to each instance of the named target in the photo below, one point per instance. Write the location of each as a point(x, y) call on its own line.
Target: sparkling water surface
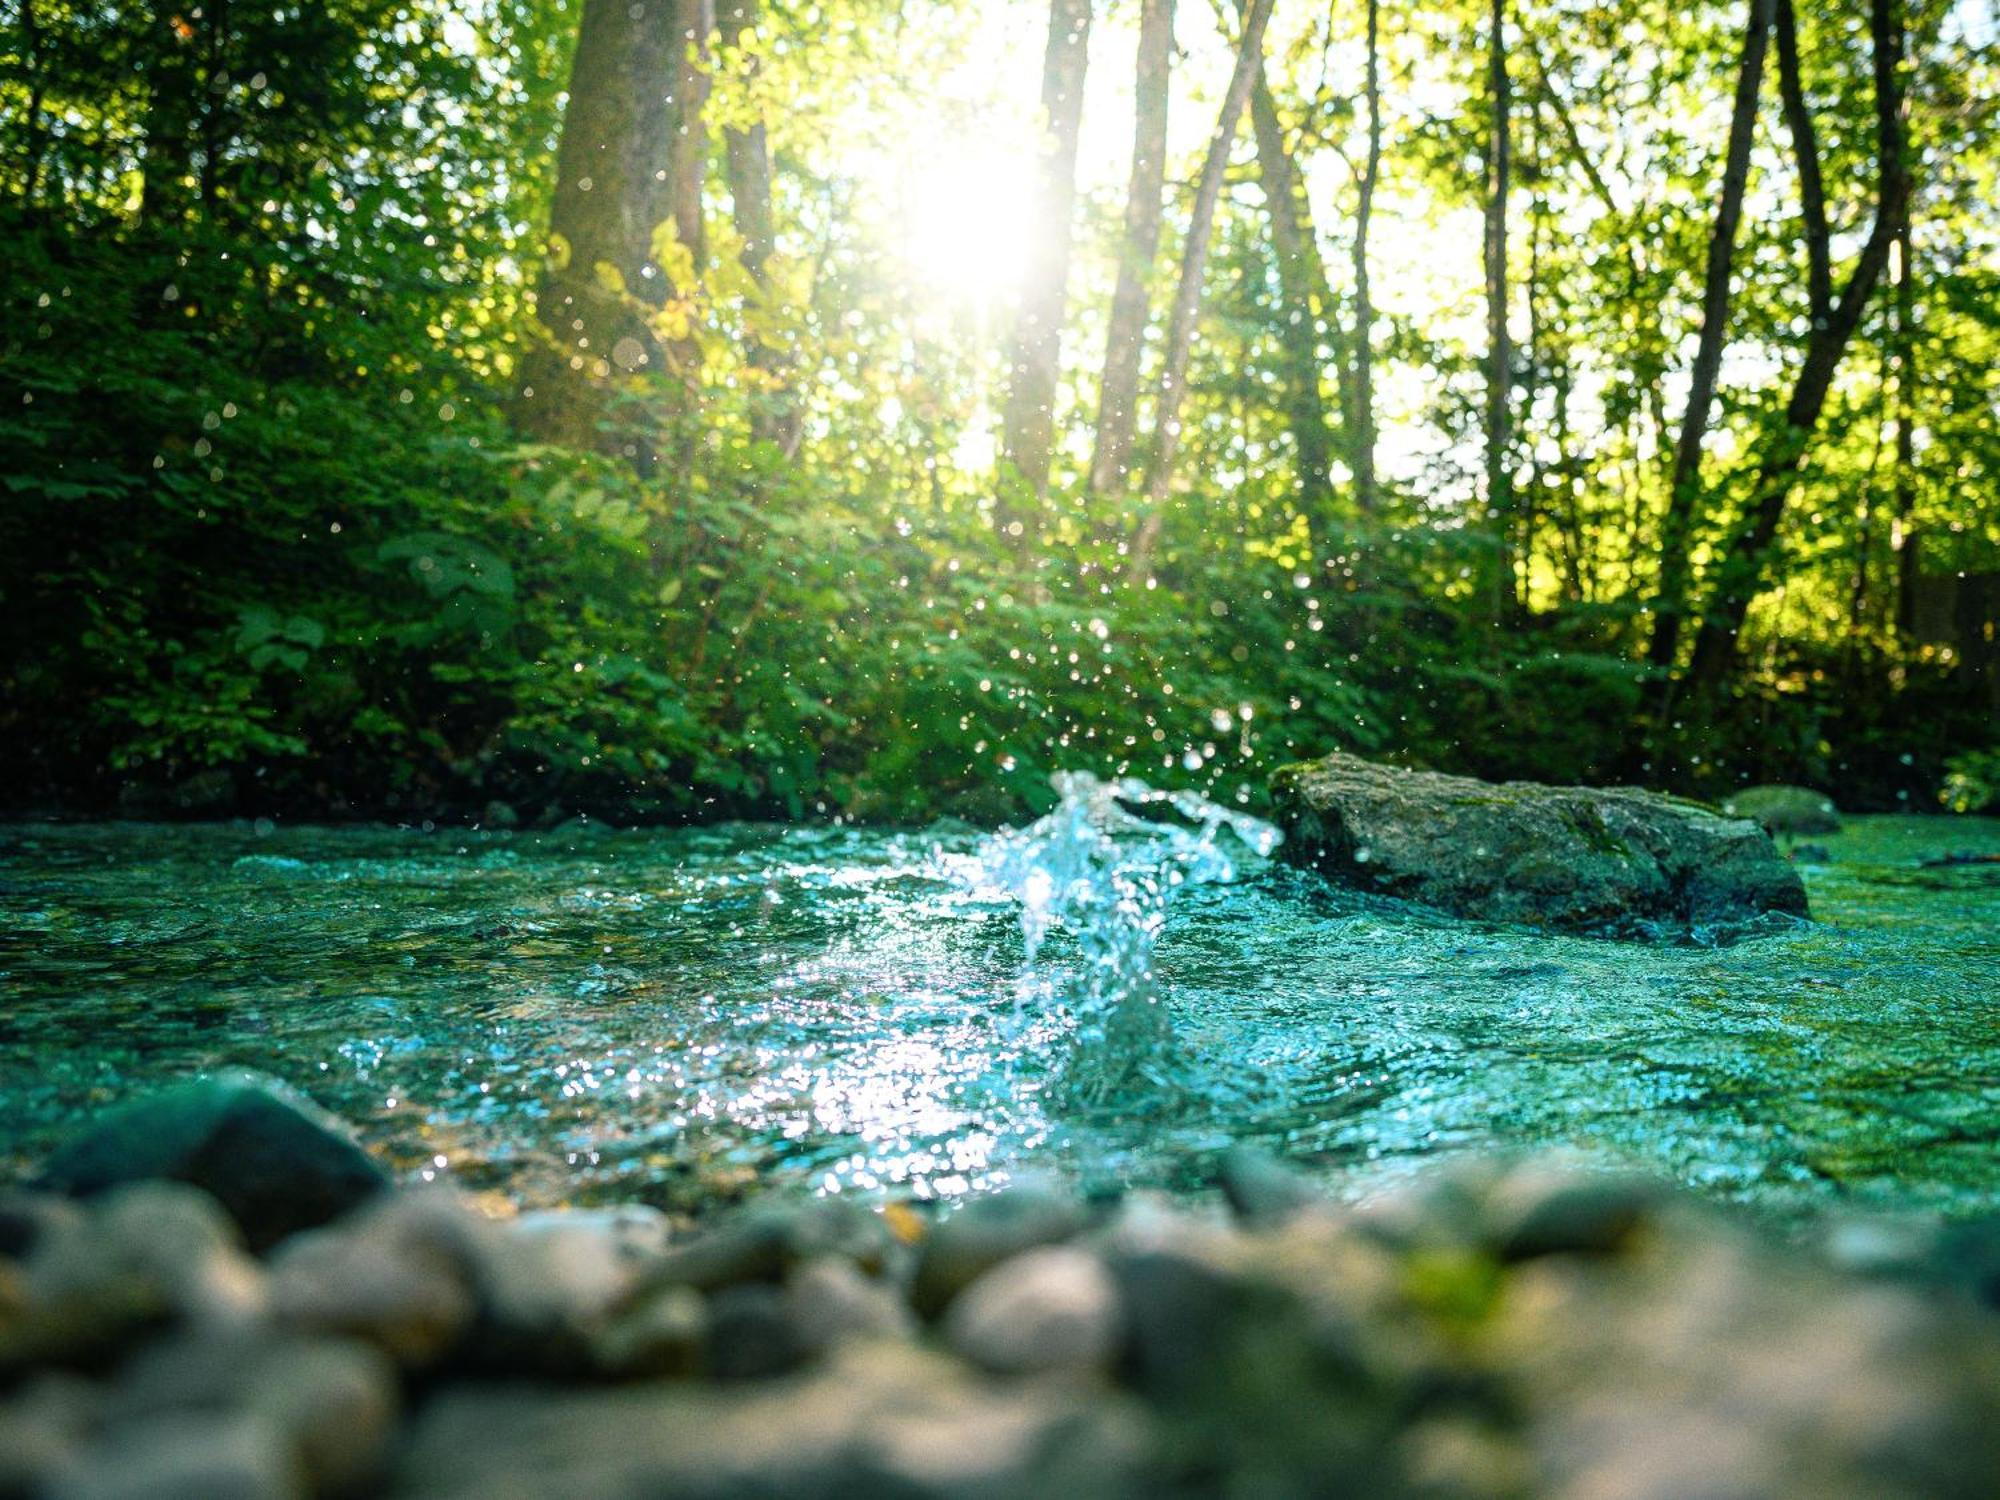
point(687, 1015)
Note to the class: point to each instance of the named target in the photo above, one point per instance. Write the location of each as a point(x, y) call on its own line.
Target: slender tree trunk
point(774, 415)
point(1499, 356)
point(1741, 573)
point(1684, 489)
point(616, 175)
point(696, 19)
point(34, 143)
point(1805, 151)
point(1187, 293)
point(1118, 395)
point(1905, 335)
point(1299, 275)
point(1028, 419)
point(1361, 429)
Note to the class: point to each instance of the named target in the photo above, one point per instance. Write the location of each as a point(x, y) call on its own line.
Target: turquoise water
point(683, 1015)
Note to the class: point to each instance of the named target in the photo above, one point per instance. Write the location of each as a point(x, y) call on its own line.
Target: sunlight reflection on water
point(681, 1013)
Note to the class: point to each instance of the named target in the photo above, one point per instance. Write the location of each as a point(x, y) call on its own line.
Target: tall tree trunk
point(1904, 333)
point(774, 415)
point(1028, 419)
point(1300, 276)
point(1361, 427)
point(1499, 356)
point(617, 174)
point(1684, 490)
point(1187, 293)
point(34, 137)
point(1805, 151)
point(1118, 394)
point(1740, 575)
point(696, 19)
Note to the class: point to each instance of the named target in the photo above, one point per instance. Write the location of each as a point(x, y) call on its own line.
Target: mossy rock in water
point(274, 1160)
point(1580, 858)
point(1786, 809)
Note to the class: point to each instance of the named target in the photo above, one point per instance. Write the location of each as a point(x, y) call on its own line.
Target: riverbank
point(1495, 1331)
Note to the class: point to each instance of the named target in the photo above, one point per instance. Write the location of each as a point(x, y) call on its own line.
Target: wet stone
point(334, 1404)
point(1262, 1190)
point(376, 1281)
point(146, 1255)
point(762, 1242)
point(664, 1333)
point(984, 1232)
point(1055, 1308)
point(831, 1301)
point(27, 1216)
point(752, 1333)
point(273, 1160)
point(43, 1426)
point(546, 1280)
point(1538, 1212)
point(194, 1456)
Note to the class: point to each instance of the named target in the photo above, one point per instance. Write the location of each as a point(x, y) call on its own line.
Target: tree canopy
point(811, 407)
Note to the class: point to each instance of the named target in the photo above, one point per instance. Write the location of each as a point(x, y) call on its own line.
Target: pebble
point(145, 1255)
point(982, 1233)
point(665, 1333)
point(196, 1456)
point(831, 1301)
point(401, 1294)
point(1484, 1333)
point(334, 1403)
point(1055, 1308)
point(752, 1333)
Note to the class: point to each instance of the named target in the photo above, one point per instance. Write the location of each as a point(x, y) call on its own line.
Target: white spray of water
point(1097, 869)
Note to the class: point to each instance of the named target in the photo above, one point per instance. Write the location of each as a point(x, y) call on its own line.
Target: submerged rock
point(1785, 809)
point(1569, 857)
point(272, 1159)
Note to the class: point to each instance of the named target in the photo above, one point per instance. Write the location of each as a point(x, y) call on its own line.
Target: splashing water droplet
point(1095, 868)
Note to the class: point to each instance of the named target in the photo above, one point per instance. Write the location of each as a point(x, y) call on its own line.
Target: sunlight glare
point(967, 218)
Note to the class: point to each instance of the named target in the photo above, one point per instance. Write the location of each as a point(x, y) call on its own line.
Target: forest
point(665, 410)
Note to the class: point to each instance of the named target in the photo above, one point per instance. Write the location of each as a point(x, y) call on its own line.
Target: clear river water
point(688, 1015)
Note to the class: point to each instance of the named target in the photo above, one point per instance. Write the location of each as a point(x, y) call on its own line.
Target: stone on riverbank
point(1578, 858)
point(273, 1160)
point(1489, 1331)
point(1790, 810)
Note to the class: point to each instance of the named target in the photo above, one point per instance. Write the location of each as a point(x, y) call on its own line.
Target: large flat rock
point(1579, 858)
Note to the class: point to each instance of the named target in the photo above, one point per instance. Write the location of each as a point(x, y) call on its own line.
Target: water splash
point(1107, 876)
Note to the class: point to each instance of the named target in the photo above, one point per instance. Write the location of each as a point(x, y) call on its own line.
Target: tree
point(1028, 420)
point(1187, 292)
point(1361, 427)
point(1741, 571)
point(1301, 299)
point(1499, 356)
point(1138, 246)
point(775, 417)
point(621, 173)
point(1684, 491)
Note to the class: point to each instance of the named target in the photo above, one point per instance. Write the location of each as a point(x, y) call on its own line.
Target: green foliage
point(265, 520)
point(1973, 782)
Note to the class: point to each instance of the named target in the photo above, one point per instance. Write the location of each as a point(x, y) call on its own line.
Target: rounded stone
point(276, 1162)
point(1055, 1308)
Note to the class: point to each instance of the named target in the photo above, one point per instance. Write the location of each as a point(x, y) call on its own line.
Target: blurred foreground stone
point(1492, 1332)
